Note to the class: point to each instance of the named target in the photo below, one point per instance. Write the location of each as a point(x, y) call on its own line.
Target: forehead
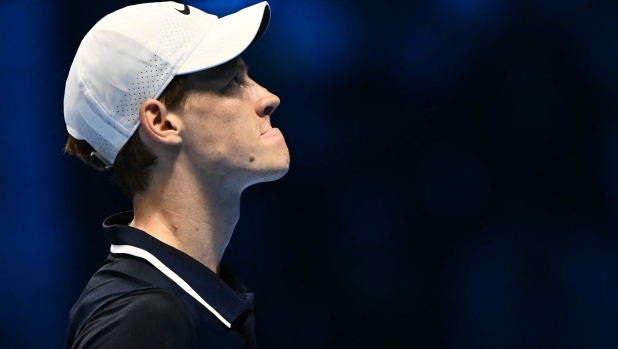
point(213, 77)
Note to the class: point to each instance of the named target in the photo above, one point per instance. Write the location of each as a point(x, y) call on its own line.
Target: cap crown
point(127, 57)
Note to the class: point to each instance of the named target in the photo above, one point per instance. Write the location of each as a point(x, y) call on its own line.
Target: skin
point(208, 152)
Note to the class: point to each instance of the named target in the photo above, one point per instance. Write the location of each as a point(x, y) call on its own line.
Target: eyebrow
point(236, 69)
point(243, 66)
point(228, 73)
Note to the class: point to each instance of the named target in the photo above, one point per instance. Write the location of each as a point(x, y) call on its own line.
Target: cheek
point(222, 137)
point(233, 126)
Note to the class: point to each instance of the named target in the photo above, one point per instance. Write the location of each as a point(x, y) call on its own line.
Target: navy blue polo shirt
point(148, 294)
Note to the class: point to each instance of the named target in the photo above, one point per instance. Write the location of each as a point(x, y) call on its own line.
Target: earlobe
point(158, 123)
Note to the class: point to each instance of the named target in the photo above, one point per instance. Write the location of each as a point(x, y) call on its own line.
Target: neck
point(188, 214)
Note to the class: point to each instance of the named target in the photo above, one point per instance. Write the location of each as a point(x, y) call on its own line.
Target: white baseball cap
point(132, 54)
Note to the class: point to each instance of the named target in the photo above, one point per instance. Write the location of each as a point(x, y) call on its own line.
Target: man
point(158, 93)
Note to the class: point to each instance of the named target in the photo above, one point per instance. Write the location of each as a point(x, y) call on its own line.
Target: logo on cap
point(185, 11)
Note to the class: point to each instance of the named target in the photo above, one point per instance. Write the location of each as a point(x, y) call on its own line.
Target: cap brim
point(228, 37)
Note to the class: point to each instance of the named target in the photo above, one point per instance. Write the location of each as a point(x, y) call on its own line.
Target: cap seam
point(87, 90)
point(92, 97)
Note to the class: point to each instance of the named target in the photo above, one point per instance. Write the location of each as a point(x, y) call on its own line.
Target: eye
point(235, 81)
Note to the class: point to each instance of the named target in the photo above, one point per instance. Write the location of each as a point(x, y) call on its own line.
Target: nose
point(267, 103)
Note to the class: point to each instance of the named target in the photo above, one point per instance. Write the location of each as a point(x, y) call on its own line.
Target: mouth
point(263, 133)
point(270, 131)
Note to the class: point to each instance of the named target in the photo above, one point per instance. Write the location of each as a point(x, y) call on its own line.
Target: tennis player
point(158, 94)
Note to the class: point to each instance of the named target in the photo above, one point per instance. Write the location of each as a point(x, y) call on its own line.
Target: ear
point(160, 124)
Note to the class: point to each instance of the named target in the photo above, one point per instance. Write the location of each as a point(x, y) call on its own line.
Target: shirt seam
point(182, 307)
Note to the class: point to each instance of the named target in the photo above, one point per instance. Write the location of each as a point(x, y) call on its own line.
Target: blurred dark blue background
point(453, 181)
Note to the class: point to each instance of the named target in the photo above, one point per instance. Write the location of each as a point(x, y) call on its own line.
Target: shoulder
point(142, 319)
point(118, 276)
point(145, 305)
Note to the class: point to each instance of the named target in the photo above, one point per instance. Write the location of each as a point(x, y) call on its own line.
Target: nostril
point(268, 110)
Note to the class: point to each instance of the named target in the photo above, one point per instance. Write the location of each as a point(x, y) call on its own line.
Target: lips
point(266, 131)
point(270, 131)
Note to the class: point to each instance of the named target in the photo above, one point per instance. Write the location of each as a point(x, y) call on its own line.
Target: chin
point(275, 173)
point(269, 174)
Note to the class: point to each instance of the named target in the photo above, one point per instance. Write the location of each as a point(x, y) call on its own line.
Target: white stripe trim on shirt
point(138, 252)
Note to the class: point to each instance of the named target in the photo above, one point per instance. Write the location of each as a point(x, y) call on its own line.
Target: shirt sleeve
point(142, 319)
